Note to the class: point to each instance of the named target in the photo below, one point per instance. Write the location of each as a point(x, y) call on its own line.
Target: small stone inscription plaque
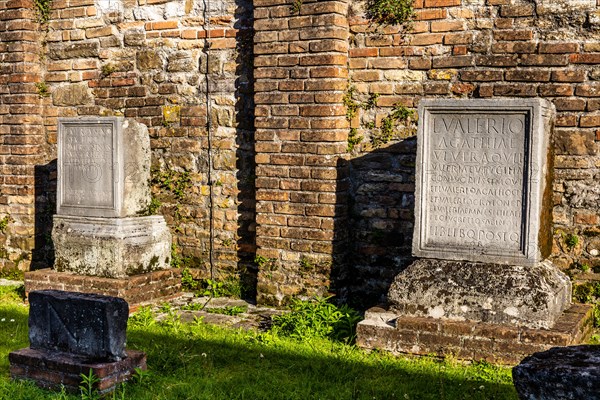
point(481, 176)
point(89, 158)
point(85, 324)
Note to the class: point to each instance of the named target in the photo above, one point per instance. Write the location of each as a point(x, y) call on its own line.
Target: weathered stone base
point(503, 344)
point(51, 370)
point(136, 289)
point(533, 296)
point(111, 247)
point(566, 373)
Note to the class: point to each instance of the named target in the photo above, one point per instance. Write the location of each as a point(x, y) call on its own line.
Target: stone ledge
point(136, 289)
point(503, 344)
point(51, 370)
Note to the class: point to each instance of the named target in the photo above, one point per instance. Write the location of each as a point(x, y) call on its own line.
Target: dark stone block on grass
point(89, 325)
point(565, 373)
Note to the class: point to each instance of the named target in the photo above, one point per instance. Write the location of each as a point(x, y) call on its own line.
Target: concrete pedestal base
point(51, 370)
point(151, 286)
point(533, 296)
point(111, 247)
point(504, 344)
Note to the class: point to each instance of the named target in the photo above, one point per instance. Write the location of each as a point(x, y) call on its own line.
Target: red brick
point(452, 62)
point(524, 10)
point(559, 48)
point(589, 121)
point(528, 75)
point(523, 90)
point(569, 104)
point(481, 75)
point(447, 26)
point(556, 89)
point(569, 75)
point(544, 59)
point(586, 58)
point(510, 35)
point(441, 3)
point(424, 15)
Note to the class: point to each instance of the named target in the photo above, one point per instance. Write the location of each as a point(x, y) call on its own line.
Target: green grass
point(200, 361)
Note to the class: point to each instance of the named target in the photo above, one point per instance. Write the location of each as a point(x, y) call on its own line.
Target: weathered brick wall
point(159, 62)
point(333, 192)
point(22, 140)
point(301, 131)
point(480, 49)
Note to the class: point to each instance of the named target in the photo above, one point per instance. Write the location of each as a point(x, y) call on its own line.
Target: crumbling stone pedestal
point(104, 242)
point(71, 334)
point(483, 287)
point(565, 373)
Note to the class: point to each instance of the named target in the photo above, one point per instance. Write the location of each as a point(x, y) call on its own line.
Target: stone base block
point(51, 370)
point(468, 340)
point(111, 247)
point(566, 373)
point(532, 296)
point(137, 289)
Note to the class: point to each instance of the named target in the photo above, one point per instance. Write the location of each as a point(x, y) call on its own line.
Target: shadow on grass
point(207, 362)
point(241, 366)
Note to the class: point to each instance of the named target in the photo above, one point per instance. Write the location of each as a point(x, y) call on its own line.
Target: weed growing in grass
point(200, 361)
point(87, 386)
point(143, 318)
point(317, 318)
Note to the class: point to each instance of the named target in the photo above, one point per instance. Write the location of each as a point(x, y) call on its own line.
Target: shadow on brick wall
point(245, 164)
point(380, 222)
point(42, 255)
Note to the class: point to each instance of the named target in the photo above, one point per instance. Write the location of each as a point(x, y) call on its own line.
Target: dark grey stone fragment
point(84, 324)
point(565, 373)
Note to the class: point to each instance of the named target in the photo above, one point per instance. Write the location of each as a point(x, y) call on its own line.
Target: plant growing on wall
point(390, 12)
point(399, 115)
point(42, 9)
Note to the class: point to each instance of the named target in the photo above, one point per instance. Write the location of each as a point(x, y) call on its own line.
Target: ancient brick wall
point(160, 62)
point(300, 70)
point(478, 49)
point(248, 105)
point(22, 138)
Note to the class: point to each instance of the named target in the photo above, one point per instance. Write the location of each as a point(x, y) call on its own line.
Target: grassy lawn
point(201, 361)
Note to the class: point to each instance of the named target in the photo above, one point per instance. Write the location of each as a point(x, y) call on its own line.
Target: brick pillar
point(301, 140)
point(21, 129)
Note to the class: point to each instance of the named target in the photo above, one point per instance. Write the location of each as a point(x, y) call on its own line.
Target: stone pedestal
point(71, 334)
point(103, 242)
point(111, 247)
point(483, 227)
point(530, 296)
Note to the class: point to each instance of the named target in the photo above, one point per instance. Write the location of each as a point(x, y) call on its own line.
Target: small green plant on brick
point(175, 182)
point(108, 69)
point(42, 89)
point(389, 125)
point(353, 139)
point(42, 10)
point(264, 263)
point(4, 223)
point(571, 241)
point(390, 12)
point(296, 6)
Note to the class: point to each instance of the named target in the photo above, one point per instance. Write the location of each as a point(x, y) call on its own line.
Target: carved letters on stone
point(480, 170)
point(89, 155)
